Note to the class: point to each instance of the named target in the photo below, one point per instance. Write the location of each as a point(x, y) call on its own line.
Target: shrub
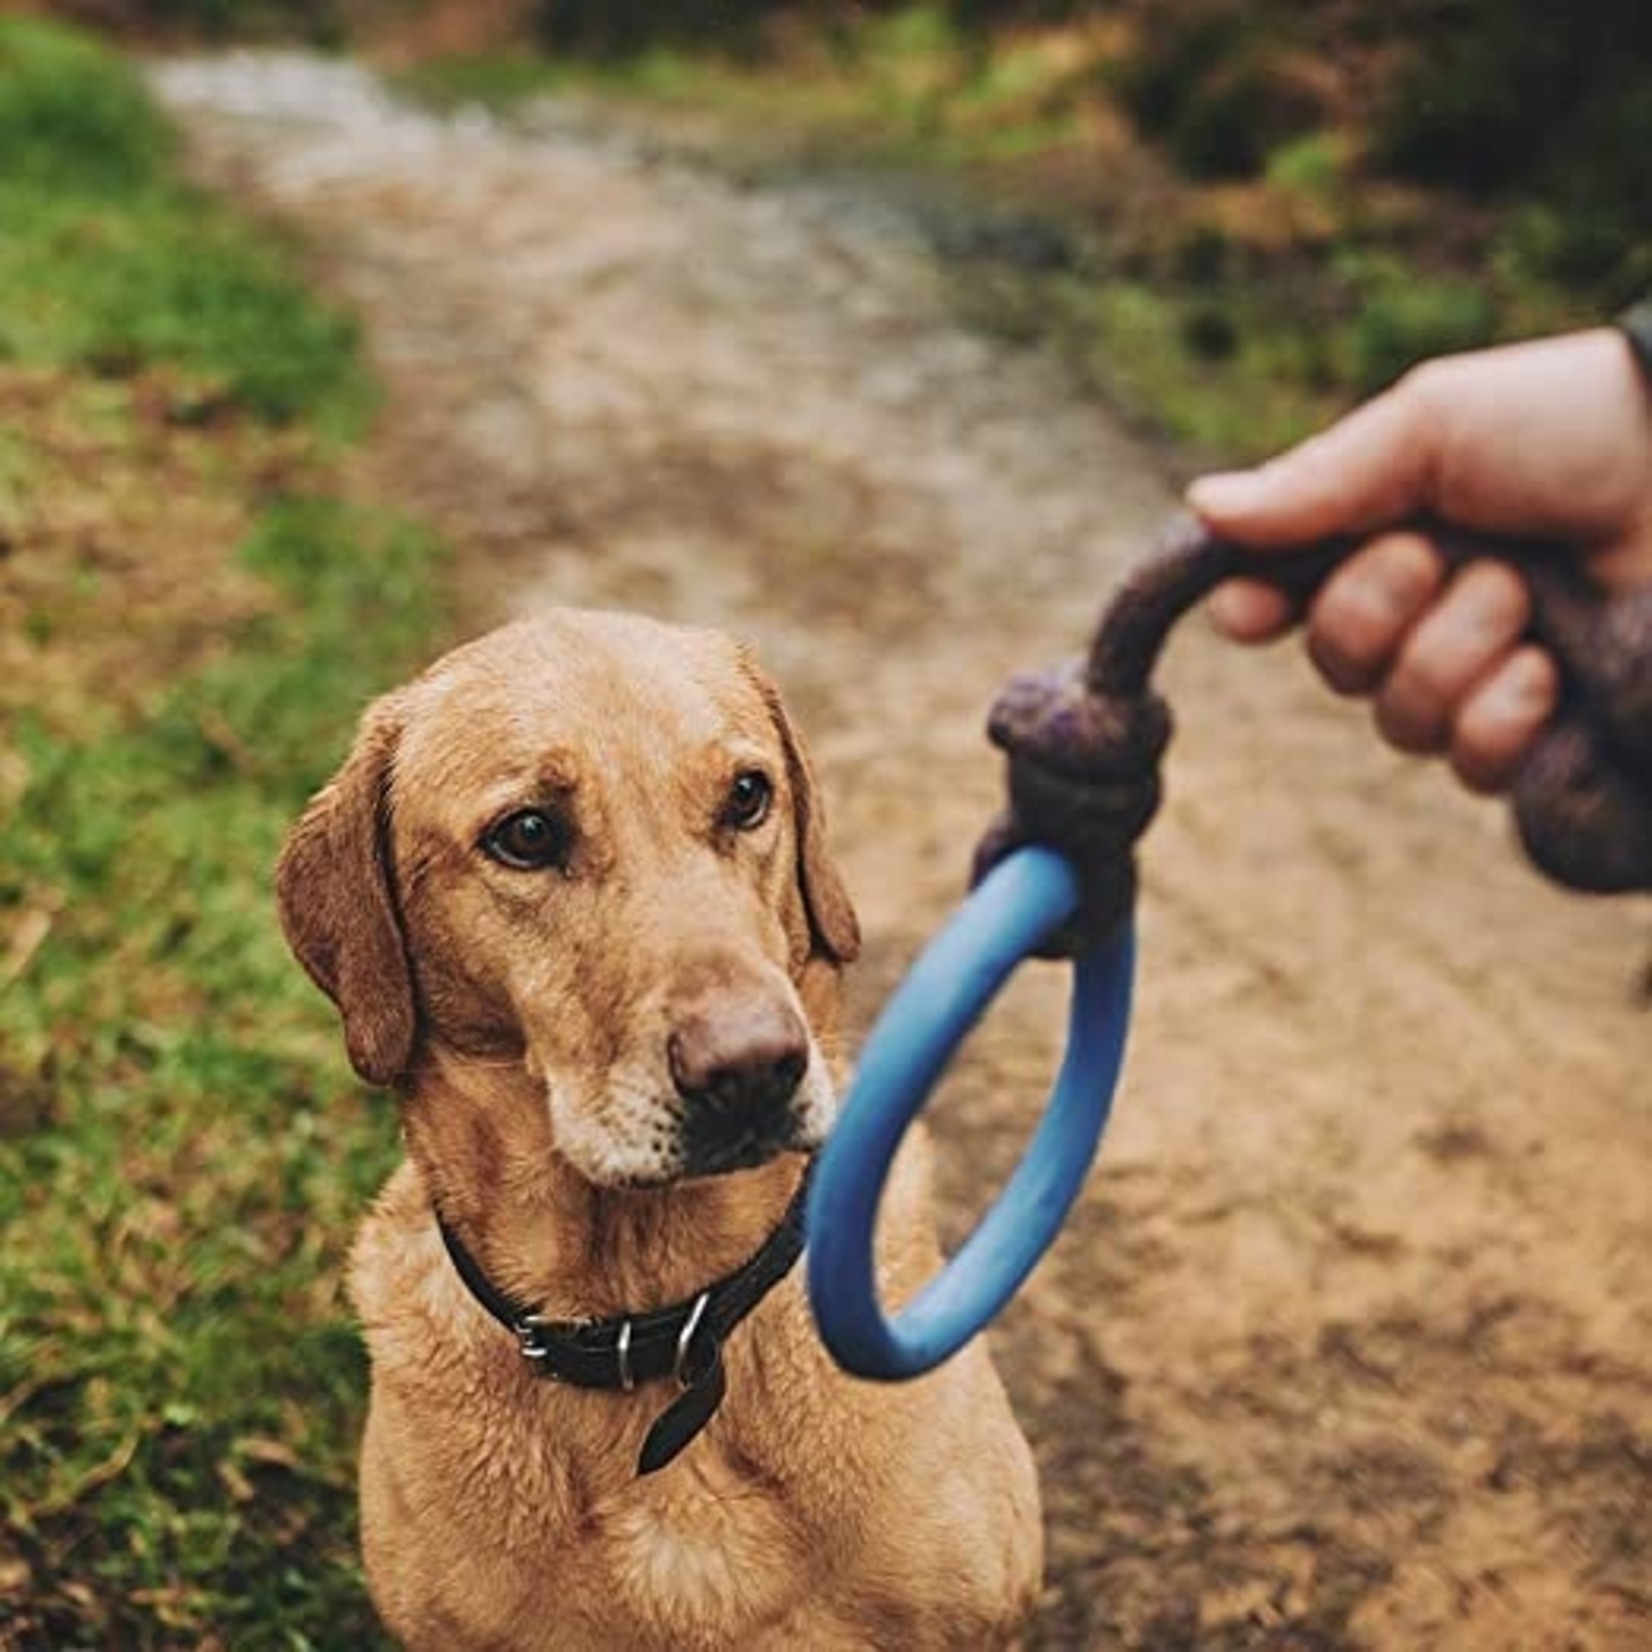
point(1405, 318)
point(107, 261)
point(72, 117)
point(1212, 82)
point(1502, 97)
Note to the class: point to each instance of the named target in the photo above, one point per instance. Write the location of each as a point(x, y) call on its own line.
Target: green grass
point(183, 1152)
point(901, 84)
point(184, 1382)
point(107, 261)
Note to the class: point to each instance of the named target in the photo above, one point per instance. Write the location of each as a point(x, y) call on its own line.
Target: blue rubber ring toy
point(1014, 908)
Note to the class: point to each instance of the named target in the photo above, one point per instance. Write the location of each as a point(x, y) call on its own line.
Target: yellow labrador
point(571, 895)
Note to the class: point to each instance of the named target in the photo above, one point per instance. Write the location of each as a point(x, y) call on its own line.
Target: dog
point(571, 895)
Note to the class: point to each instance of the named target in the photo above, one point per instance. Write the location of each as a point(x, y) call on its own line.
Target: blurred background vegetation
point(192, 609)
point(1233, 217)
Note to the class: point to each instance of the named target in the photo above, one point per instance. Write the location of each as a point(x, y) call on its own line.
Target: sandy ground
point(1348, 1342)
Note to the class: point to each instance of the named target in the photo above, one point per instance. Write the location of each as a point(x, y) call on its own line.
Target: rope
point(1085, 740)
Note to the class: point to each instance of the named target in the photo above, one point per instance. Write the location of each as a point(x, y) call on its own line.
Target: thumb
point(1371, 468)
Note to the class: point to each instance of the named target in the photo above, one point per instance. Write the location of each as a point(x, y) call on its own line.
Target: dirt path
point(1348, 1345)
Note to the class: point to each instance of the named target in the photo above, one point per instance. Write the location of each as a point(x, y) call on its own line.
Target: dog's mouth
point(651, 1141)
point(701, 1152)
point(723, 1150)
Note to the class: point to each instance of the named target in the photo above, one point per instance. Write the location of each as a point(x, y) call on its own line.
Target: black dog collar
point(684, 1341)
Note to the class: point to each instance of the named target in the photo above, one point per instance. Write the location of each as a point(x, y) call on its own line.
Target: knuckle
point(1483, 768)
point(1410, 725)
point(1500, 722)
point(1470, 634)
point(1428, 389)
point(1386, 586)
point(1359, 620)
point(1432, 671)
point(1345, 670)
point(1487, 747)
point(1497, 597)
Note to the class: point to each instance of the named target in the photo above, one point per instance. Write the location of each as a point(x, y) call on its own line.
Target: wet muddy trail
point(1348, 1343)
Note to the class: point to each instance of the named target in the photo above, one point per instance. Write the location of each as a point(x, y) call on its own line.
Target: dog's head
point(590, 845)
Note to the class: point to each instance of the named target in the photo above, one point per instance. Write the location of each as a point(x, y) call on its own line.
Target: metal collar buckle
point(527, 1335)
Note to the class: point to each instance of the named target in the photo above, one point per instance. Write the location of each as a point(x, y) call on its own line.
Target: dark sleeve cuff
point(1636, 325)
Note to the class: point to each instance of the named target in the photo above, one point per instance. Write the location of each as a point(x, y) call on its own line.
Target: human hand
point(1550, 440)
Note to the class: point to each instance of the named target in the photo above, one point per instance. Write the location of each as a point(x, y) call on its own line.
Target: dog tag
point(678, 1424)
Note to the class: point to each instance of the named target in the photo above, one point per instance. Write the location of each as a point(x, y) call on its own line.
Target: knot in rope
point(1084, 740)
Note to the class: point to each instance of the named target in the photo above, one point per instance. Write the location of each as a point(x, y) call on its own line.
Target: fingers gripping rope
point(1084, 744)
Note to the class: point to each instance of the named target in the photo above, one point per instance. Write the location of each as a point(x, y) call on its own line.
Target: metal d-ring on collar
point(683, 1342)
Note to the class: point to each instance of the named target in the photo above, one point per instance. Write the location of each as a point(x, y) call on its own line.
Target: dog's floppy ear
point(338, 905)
point(834, 930)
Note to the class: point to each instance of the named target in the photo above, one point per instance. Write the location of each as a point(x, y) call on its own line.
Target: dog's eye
point(747, 805)
point(529, 840)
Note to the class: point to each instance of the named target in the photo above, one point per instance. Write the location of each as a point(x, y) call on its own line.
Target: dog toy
point(1084, 745)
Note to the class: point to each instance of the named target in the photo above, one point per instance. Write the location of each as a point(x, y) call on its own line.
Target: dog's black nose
point(737, 1060)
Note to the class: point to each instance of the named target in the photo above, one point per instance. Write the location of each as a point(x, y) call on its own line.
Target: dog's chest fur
point(536, 1484)
point(716, 1549)
point(503, 1511)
